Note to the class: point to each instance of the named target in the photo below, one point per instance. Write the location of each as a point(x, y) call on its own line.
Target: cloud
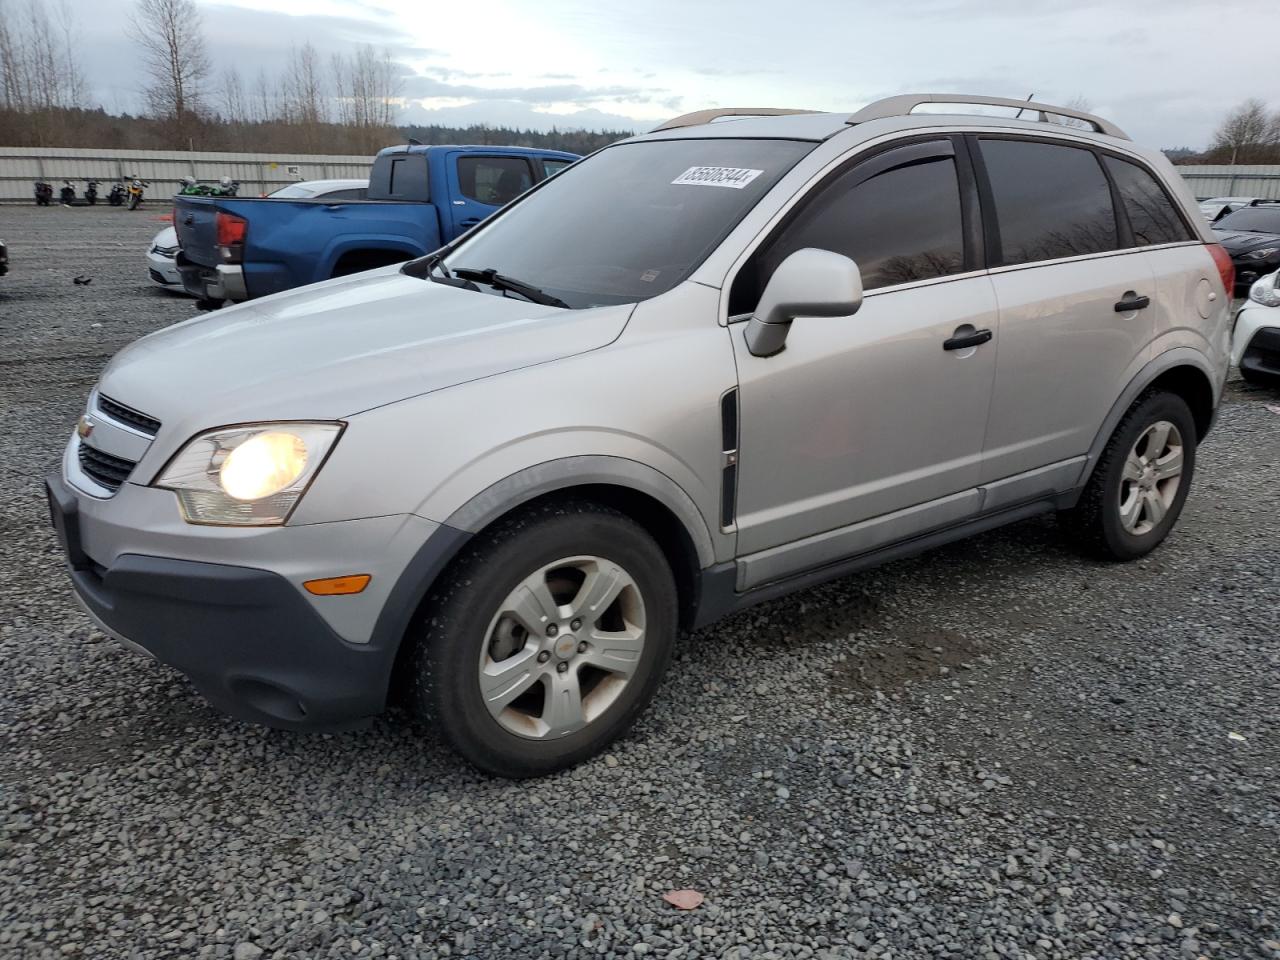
point(424, 87)
point(514, 113)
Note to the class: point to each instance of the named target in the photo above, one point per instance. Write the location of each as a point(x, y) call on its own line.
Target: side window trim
point(1124, 228)
point(993, 254)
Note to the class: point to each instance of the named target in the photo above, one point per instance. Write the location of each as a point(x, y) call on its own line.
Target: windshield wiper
point(425, 269)
point(492, 278)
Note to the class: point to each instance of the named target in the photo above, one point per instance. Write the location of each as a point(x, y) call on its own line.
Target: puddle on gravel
point(905, 657)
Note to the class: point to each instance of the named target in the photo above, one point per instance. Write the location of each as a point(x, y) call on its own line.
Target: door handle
point(962, 341)
point(1132, 301)
point(469, 222)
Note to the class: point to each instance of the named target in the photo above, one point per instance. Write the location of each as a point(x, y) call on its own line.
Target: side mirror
point(809, 283)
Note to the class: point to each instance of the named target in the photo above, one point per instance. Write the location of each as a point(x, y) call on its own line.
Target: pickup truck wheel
point(546, 639)
point(1137, 490)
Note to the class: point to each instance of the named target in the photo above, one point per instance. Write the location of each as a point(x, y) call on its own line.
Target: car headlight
point(1261, 254)
point(252, 475)
point(1264, 291)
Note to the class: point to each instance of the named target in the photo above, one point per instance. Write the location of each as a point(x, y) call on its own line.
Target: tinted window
point(493, 180)
point(1263, 219)
point(631, 221)
point(406, 178)
point(1152, 215)
point(552, 167)
point(900, 225)
point(1050, 201)
point(354, 193)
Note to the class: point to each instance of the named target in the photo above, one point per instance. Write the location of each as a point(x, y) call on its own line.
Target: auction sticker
point(733, 177)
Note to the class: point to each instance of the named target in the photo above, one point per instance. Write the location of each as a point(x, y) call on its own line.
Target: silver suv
point(747, 352)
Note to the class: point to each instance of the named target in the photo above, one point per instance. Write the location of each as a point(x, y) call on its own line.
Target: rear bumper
point(222, 282)
point(248, 638)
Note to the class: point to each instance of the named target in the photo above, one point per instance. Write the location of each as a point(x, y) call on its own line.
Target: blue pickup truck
point(420, 198)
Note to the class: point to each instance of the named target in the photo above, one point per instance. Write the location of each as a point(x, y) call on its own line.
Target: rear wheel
point(546, 639)
point(1137, 490)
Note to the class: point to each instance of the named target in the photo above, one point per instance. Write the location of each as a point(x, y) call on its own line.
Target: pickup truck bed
point(420, 198)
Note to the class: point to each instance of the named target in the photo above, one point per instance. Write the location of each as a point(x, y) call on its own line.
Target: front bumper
point(163, 270)
point(251, 641)
point(222, 282)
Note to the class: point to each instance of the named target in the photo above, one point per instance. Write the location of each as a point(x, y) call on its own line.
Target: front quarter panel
point(651, 398)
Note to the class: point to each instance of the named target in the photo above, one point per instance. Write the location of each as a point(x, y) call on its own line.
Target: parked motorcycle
point(226, 187)
point(91, 192)
point(116, 196)
point(134, 191)
point(67, 195)
point(44, 193)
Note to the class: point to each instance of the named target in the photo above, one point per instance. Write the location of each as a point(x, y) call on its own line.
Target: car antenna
point(1030, 97)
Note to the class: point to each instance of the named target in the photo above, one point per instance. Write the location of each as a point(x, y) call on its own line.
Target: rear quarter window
point(1050, 201)
point(1152, 215)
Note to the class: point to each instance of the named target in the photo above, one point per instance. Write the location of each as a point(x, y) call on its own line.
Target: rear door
point(480, 185)
point(1073, 325)
point(1184, 271)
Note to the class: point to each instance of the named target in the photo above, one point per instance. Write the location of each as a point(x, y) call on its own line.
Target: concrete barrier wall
point(258, 173)
point(1243, 180)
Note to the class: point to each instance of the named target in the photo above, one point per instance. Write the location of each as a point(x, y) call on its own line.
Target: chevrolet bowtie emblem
point(84, 428)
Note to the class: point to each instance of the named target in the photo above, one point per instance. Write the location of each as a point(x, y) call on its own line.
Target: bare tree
point(13, 67)
point(1078, 103)
point(235, 107)
point(173, 54)
point(1249, 134)
point(264, 107)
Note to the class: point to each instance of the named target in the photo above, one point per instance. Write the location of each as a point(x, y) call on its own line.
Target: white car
point(1255, 341)
point(161, 266)
point(1215, 208)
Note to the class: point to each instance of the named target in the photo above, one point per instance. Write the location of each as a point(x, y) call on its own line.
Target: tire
point(468, 631)
point(1100, 522)
point(133, 202)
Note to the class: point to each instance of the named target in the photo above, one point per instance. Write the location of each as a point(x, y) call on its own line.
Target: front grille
point(128, 416)
point(105, 469)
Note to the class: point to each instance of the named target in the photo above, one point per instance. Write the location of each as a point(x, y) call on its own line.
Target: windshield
point(1256, 219)
point(630, 222)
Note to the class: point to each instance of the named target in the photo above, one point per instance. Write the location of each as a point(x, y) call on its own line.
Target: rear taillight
point(230, 228)
point(1226, 269)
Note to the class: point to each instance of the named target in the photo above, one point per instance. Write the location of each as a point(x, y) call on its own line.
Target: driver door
point(865, 429)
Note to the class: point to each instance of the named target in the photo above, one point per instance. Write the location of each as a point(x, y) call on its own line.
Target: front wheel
point(1140, 483)
point(134, 201)
point(545, 639)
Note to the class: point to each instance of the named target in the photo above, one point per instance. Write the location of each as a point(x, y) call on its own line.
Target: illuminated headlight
point(1264, 291)
point(251, 475)
point(1261, 254)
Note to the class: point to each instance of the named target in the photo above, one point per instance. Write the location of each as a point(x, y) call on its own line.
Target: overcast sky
point(1162, 70)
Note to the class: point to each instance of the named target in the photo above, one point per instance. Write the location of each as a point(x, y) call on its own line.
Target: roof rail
point(706, 116)
point(901, 106)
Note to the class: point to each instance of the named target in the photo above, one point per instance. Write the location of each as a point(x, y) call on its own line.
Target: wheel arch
point(638, 491)
point(1182, 371)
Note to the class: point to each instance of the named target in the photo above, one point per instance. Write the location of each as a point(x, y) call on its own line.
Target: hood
point(1242, 241)
point(168, 237)
point(336, 348)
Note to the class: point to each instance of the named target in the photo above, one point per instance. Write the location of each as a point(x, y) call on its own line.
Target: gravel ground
point(994, 750)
